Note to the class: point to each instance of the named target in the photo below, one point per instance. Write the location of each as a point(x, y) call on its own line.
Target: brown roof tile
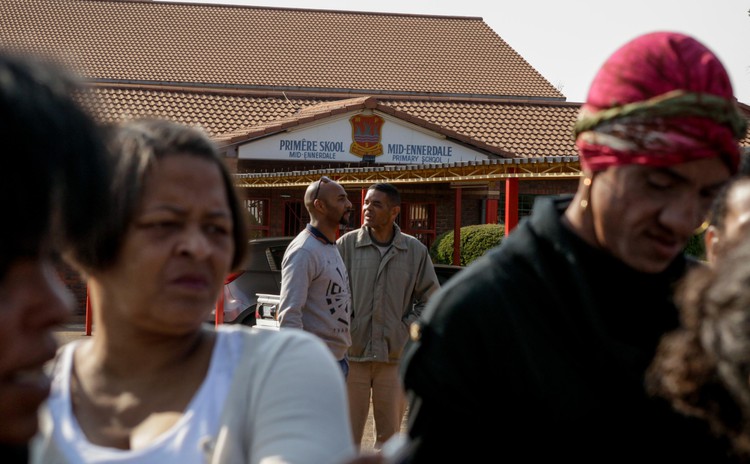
point(252, 47)
point(526, 130)
point(217, 114)
point(508, 129)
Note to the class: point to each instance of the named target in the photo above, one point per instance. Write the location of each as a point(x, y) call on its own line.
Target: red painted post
point(457, 229)
point(362, 202)
point(219, 319)
point(511, 204)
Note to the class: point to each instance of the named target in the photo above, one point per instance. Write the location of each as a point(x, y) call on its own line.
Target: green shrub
point(695, 247)
point(475, 241)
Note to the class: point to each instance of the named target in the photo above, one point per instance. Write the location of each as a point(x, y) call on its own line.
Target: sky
point(567, 41)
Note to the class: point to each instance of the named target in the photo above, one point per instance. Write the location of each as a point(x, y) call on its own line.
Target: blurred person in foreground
point(703, 367)
point(729, 218)
point(156, 383)
point(54, 192)
point(392, 278)
point(538, 349)
point(315, 292)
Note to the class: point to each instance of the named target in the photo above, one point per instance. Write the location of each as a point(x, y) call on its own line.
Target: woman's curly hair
point(703, 367)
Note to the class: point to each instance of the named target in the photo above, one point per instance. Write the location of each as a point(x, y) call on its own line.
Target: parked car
point(261, 274)
point(446, 271)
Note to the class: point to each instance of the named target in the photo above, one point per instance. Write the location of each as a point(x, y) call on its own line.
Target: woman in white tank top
point(155, 384)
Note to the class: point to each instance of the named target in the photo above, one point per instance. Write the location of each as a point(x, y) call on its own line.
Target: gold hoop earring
point(701, 228)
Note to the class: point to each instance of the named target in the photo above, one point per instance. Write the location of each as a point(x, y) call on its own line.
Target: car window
point(275, 254)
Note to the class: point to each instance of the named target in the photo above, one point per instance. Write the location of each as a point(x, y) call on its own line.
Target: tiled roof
point(507, 129)
point(218, 114)
point(245, 72)
point(242, 47)
point(524, 129)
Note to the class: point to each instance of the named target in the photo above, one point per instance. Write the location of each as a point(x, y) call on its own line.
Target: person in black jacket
point(538, 350)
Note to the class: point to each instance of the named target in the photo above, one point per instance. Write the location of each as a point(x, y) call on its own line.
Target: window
point(418, 219)
point(295, 217)
point(525, 204)
point(258, 213)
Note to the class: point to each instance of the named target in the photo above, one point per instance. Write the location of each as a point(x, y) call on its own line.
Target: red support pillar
point(457, 228)
point(511, 204)
point(88, 312)
point(219, 319)
point(362, 203)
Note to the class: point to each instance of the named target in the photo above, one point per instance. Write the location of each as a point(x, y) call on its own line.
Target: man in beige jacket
point(391, 277)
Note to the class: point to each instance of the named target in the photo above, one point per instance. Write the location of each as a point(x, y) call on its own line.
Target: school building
point(441, 106)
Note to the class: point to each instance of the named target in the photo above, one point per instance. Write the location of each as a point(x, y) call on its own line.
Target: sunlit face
point(377, 212)
point(33, 300)
point(177, 251)
point(337, 205)
point(737, 221)
point(645, 216)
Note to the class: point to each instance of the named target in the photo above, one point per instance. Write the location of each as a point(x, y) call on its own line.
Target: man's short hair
point(394, 197)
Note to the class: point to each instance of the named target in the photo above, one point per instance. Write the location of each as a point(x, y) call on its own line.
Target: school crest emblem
point(366, 134)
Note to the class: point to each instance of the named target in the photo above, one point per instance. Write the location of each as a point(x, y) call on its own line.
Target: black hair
point(394, 197)
point(134, 147)
point(55, 174)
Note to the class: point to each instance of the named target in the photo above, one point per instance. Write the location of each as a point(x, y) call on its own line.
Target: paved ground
point(76, 329)
point(73, 330)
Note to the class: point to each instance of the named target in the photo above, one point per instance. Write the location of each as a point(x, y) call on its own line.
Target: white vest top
point(183, 443)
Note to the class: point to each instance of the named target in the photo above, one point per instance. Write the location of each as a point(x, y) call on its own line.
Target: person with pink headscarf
point(538, 350)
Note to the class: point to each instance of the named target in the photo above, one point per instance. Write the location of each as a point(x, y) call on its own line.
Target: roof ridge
point(261, 7)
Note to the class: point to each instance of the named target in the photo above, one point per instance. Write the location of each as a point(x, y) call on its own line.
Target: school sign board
point(364, 136)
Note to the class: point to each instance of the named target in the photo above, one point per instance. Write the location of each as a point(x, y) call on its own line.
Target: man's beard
point(343, 220)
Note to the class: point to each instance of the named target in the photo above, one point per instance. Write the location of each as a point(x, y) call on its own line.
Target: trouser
point(388, 399)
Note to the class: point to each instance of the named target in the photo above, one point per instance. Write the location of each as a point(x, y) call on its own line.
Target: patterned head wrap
point(661, 99)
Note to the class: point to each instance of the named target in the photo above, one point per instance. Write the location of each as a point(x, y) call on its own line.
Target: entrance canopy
point(562, 167)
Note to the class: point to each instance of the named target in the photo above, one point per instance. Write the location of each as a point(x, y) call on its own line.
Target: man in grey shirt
point(314, 283)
